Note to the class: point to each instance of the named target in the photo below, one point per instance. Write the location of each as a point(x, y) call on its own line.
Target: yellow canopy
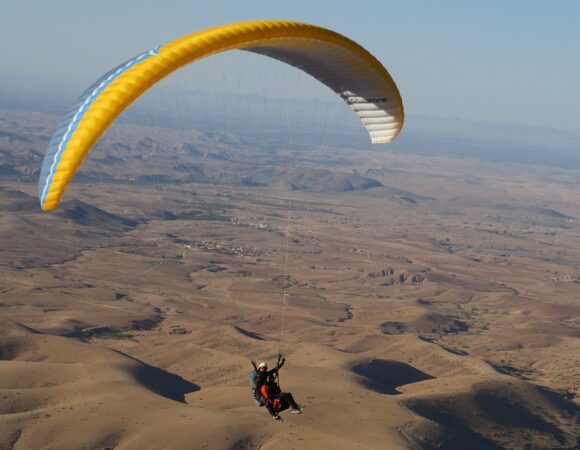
point(341, 64)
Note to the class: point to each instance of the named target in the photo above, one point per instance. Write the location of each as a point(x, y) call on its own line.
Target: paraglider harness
point(257, 380)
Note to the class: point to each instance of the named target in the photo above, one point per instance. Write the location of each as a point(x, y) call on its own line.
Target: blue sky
point(499, 61)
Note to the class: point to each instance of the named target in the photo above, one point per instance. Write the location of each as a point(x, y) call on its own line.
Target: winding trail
point(402, 429)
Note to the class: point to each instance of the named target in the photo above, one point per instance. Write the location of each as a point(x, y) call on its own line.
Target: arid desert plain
point(421, 301)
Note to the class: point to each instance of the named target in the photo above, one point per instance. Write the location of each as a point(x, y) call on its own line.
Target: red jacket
point(269, 397)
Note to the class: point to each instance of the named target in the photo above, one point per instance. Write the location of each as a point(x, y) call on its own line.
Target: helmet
point(263, 365)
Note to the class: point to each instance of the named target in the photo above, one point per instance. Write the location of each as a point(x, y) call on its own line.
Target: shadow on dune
point(509, 413)
point(245, 444)
point(384, 376)
point(455, 433)
point(10, 350)
point(162, 382)
point(496, 414)
point(16, 341)
point(248, 333)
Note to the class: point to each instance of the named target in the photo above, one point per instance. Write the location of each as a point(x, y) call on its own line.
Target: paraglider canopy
point(341, 64)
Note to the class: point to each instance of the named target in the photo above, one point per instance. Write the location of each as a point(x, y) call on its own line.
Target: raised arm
point(280, 362)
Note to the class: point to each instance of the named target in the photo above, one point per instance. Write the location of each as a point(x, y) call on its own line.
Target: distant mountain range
point(312, 122)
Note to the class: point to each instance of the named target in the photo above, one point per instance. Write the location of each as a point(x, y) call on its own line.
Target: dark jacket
point(262, 376)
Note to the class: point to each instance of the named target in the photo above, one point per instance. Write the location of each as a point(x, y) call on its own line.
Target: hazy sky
point(512, 61)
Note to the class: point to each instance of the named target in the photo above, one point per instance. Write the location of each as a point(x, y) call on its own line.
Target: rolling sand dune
point(58, 392)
